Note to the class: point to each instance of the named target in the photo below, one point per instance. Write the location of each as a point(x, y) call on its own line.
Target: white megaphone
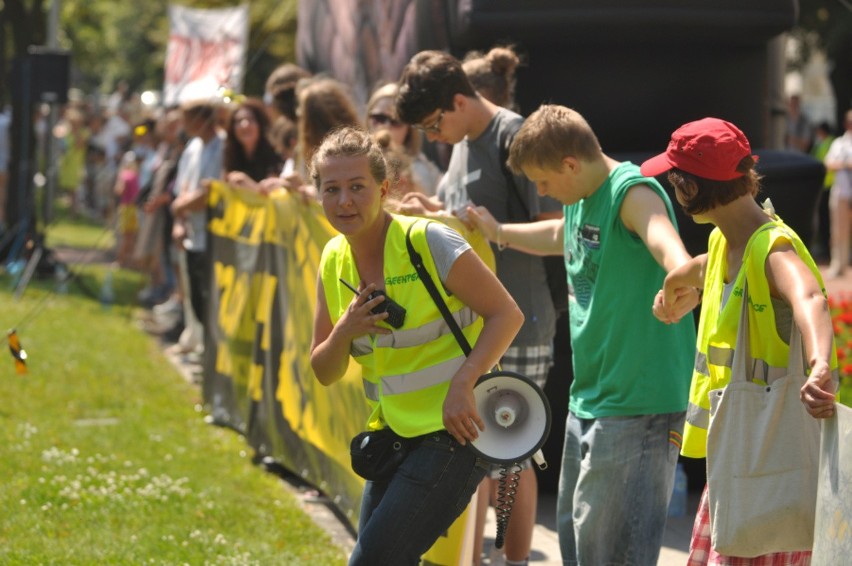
point(517, 418)
point(517, 422)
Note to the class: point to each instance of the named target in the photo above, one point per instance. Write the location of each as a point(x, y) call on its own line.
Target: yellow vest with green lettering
point(717, 330)
point(406, 374)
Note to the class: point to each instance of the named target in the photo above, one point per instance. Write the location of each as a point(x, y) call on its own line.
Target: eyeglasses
point(435, 128)
point(385, 120)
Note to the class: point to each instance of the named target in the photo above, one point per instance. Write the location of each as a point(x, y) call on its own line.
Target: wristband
point(500, 246)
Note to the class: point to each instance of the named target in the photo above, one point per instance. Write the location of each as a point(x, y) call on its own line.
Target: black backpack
point(554, 266)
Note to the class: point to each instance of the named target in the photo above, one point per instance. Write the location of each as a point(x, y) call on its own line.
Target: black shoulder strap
point(417, 260)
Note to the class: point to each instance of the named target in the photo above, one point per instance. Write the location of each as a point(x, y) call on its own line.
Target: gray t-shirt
point(475, 174)
point(446, 245)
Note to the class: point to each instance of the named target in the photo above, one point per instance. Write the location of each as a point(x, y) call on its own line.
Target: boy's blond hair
point(550, 134)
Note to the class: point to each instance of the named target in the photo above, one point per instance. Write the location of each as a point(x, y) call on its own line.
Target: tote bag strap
point(742, 366)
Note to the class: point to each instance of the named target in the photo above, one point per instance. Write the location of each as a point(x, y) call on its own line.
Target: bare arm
point(542, 237)
point(476, 286)
point(644, 213)
point(418, 204)
point(191, 201)
point(330, 344)
point(675, 299)
point(790, 279)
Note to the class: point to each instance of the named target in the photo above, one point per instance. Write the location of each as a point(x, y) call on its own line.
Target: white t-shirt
point(841, 150)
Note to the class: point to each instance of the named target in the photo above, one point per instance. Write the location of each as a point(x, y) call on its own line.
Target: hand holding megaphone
point(461, 418)
point(516, 416)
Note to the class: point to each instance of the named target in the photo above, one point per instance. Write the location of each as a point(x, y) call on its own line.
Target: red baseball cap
point(710, 148)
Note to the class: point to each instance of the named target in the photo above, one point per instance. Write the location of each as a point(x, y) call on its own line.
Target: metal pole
point(51, 147)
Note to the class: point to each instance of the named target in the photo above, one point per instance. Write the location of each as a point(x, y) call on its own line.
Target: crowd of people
point(832, 219)
point(446, 139)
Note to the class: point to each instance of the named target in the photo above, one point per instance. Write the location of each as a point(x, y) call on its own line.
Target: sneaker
point(169, 315)
point(169, 306)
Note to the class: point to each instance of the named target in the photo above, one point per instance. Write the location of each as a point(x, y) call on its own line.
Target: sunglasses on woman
point(385, 120)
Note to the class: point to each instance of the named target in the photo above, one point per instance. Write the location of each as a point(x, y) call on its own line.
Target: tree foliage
point(110, 41)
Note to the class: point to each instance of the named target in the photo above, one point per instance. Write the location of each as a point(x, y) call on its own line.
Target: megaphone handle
point(539, 460)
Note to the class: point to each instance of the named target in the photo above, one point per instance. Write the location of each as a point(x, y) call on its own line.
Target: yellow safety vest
point(717, 330)
point(406, 374)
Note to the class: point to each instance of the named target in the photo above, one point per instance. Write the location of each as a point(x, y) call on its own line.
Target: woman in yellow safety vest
point(711, 168)
point(415, 375)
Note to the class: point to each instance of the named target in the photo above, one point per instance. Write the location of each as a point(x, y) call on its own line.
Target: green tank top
point(626, 362)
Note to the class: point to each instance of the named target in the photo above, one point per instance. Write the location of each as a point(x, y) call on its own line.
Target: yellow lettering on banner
point(224, 361)
point(264, 287)
point(236, 318)
point(244, 223)
point(255, 382)
point(224, 277)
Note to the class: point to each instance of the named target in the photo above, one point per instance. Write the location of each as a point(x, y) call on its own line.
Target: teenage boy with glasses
point(436, 96)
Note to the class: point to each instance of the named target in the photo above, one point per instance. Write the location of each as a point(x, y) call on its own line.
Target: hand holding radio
point(396, 313)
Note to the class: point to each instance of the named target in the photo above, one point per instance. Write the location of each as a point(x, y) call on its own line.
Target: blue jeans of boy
point(615, 486)
point(403, 517)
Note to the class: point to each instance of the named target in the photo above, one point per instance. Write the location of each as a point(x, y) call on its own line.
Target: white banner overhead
point(206, 52)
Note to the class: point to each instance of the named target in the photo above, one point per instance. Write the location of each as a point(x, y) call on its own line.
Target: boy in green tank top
point(631, 373)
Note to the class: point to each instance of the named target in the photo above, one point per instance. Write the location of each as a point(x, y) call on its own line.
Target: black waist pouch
point(376, 454)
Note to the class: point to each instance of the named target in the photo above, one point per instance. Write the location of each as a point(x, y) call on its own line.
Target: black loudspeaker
point(42, 76)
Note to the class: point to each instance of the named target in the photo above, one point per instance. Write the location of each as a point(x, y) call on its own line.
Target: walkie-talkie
point(396, 314)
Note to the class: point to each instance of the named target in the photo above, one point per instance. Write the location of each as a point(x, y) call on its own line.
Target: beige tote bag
point(762, 449)
point(833, 530)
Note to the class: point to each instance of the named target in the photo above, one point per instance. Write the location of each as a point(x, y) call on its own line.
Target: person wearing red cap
point(628, 398)
point(711, 167)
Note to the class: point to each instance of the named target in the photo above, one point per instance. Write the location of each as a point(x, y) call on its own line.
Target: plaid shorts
point(533, 362)
point(701, 551)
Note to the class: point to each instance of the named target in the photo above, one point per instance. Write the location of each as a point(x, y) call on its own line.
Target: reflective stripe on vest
point(371, 390)
point(421, 379)
point(409, 338)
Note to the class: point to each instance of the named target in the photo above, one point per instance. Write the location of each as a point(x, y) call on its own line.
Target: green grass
point(105, 457)
point(78, 232)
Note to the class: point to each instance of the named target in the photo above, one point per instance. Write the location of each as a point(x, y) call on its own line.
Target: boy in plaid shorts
point(436, 96)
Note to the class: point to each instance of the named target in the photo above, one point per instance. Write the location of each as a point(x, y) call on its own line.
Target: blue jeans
point(403, 517)
point(615, 486)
